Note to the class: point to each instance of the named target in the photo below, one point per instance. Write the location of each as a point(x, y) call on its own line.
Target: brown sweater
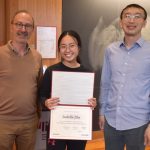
point(19, 76)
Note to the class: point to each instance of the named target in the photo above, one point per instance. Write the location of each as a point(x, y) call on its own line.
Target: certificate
point(74, 88)
point(71, 122)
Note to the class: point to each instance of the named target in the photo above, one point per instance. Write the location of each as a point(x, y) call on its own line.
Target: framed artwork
point(46, 41)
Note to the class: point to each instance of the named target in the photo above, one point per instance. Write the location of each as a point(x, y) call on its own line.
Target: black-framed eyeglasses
point(20, 25)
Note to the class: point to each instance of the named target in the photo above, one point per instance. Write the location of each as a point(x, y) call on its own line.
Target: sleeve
point(40, 77)
point(39, 80)
point(105, 83)
point(45, 87)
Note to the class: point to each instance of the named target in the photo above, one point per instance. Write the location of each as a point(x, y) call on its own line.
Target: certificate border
point(71, 137)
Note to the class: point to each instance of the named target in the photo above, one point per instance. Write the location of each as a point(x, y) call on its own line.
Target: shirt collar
point(10, 46)
point(139, 42)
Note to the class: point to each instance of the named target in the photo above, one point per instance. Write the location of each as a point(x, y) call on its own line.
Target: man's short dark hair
point(135, 6)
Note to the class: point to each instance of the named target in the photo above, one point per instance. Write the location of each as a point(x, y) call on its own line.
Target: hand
point(92, 102)
point(147, 136)
point(52, 102)
point(101, 122)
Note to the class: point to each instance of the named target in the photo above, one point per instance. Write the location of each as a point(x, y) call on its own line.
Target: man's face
point(133, 21)
point(22, 27)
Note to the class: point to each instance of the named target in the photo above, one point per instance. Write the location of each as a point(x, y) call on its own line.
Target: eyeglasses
point(133, 16)
point(70, 46)
point(20, 25)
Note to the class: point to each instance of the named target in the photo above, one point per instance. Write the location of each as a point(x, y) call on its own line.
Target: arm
point(45, 90)
point(39, 80)
point(147, 136)
point(104, 88)
point(101, 122)
point(40, 76)
point(45, 87)
point(51, 102)
point(92, 102)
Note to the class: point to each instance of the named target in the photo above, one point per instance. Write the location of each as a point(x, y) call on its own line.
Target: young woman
point(69, 45)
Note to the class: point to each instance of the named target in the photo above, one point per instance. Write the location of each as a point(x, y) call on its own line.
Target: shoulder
point(84, 69)
point(36, 54)
point(3, 47)
point(4, 50)
point(115, 46)
point(57, 66)
point(146, 43)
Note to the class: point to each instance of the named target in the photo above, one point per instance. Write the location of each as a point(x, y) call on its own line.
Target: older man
point(20, 72)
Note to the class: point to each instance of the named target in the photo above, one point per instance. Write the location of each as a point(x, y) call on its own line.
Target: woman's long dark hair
point(73, 34)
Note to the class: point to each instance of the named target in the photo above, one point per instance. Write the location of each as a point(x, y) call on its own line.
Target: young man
point(125, 85)
point(20, 72)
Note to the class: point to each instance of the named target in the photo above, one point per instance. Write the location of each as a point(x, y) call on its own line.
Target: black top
point(45, 90)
